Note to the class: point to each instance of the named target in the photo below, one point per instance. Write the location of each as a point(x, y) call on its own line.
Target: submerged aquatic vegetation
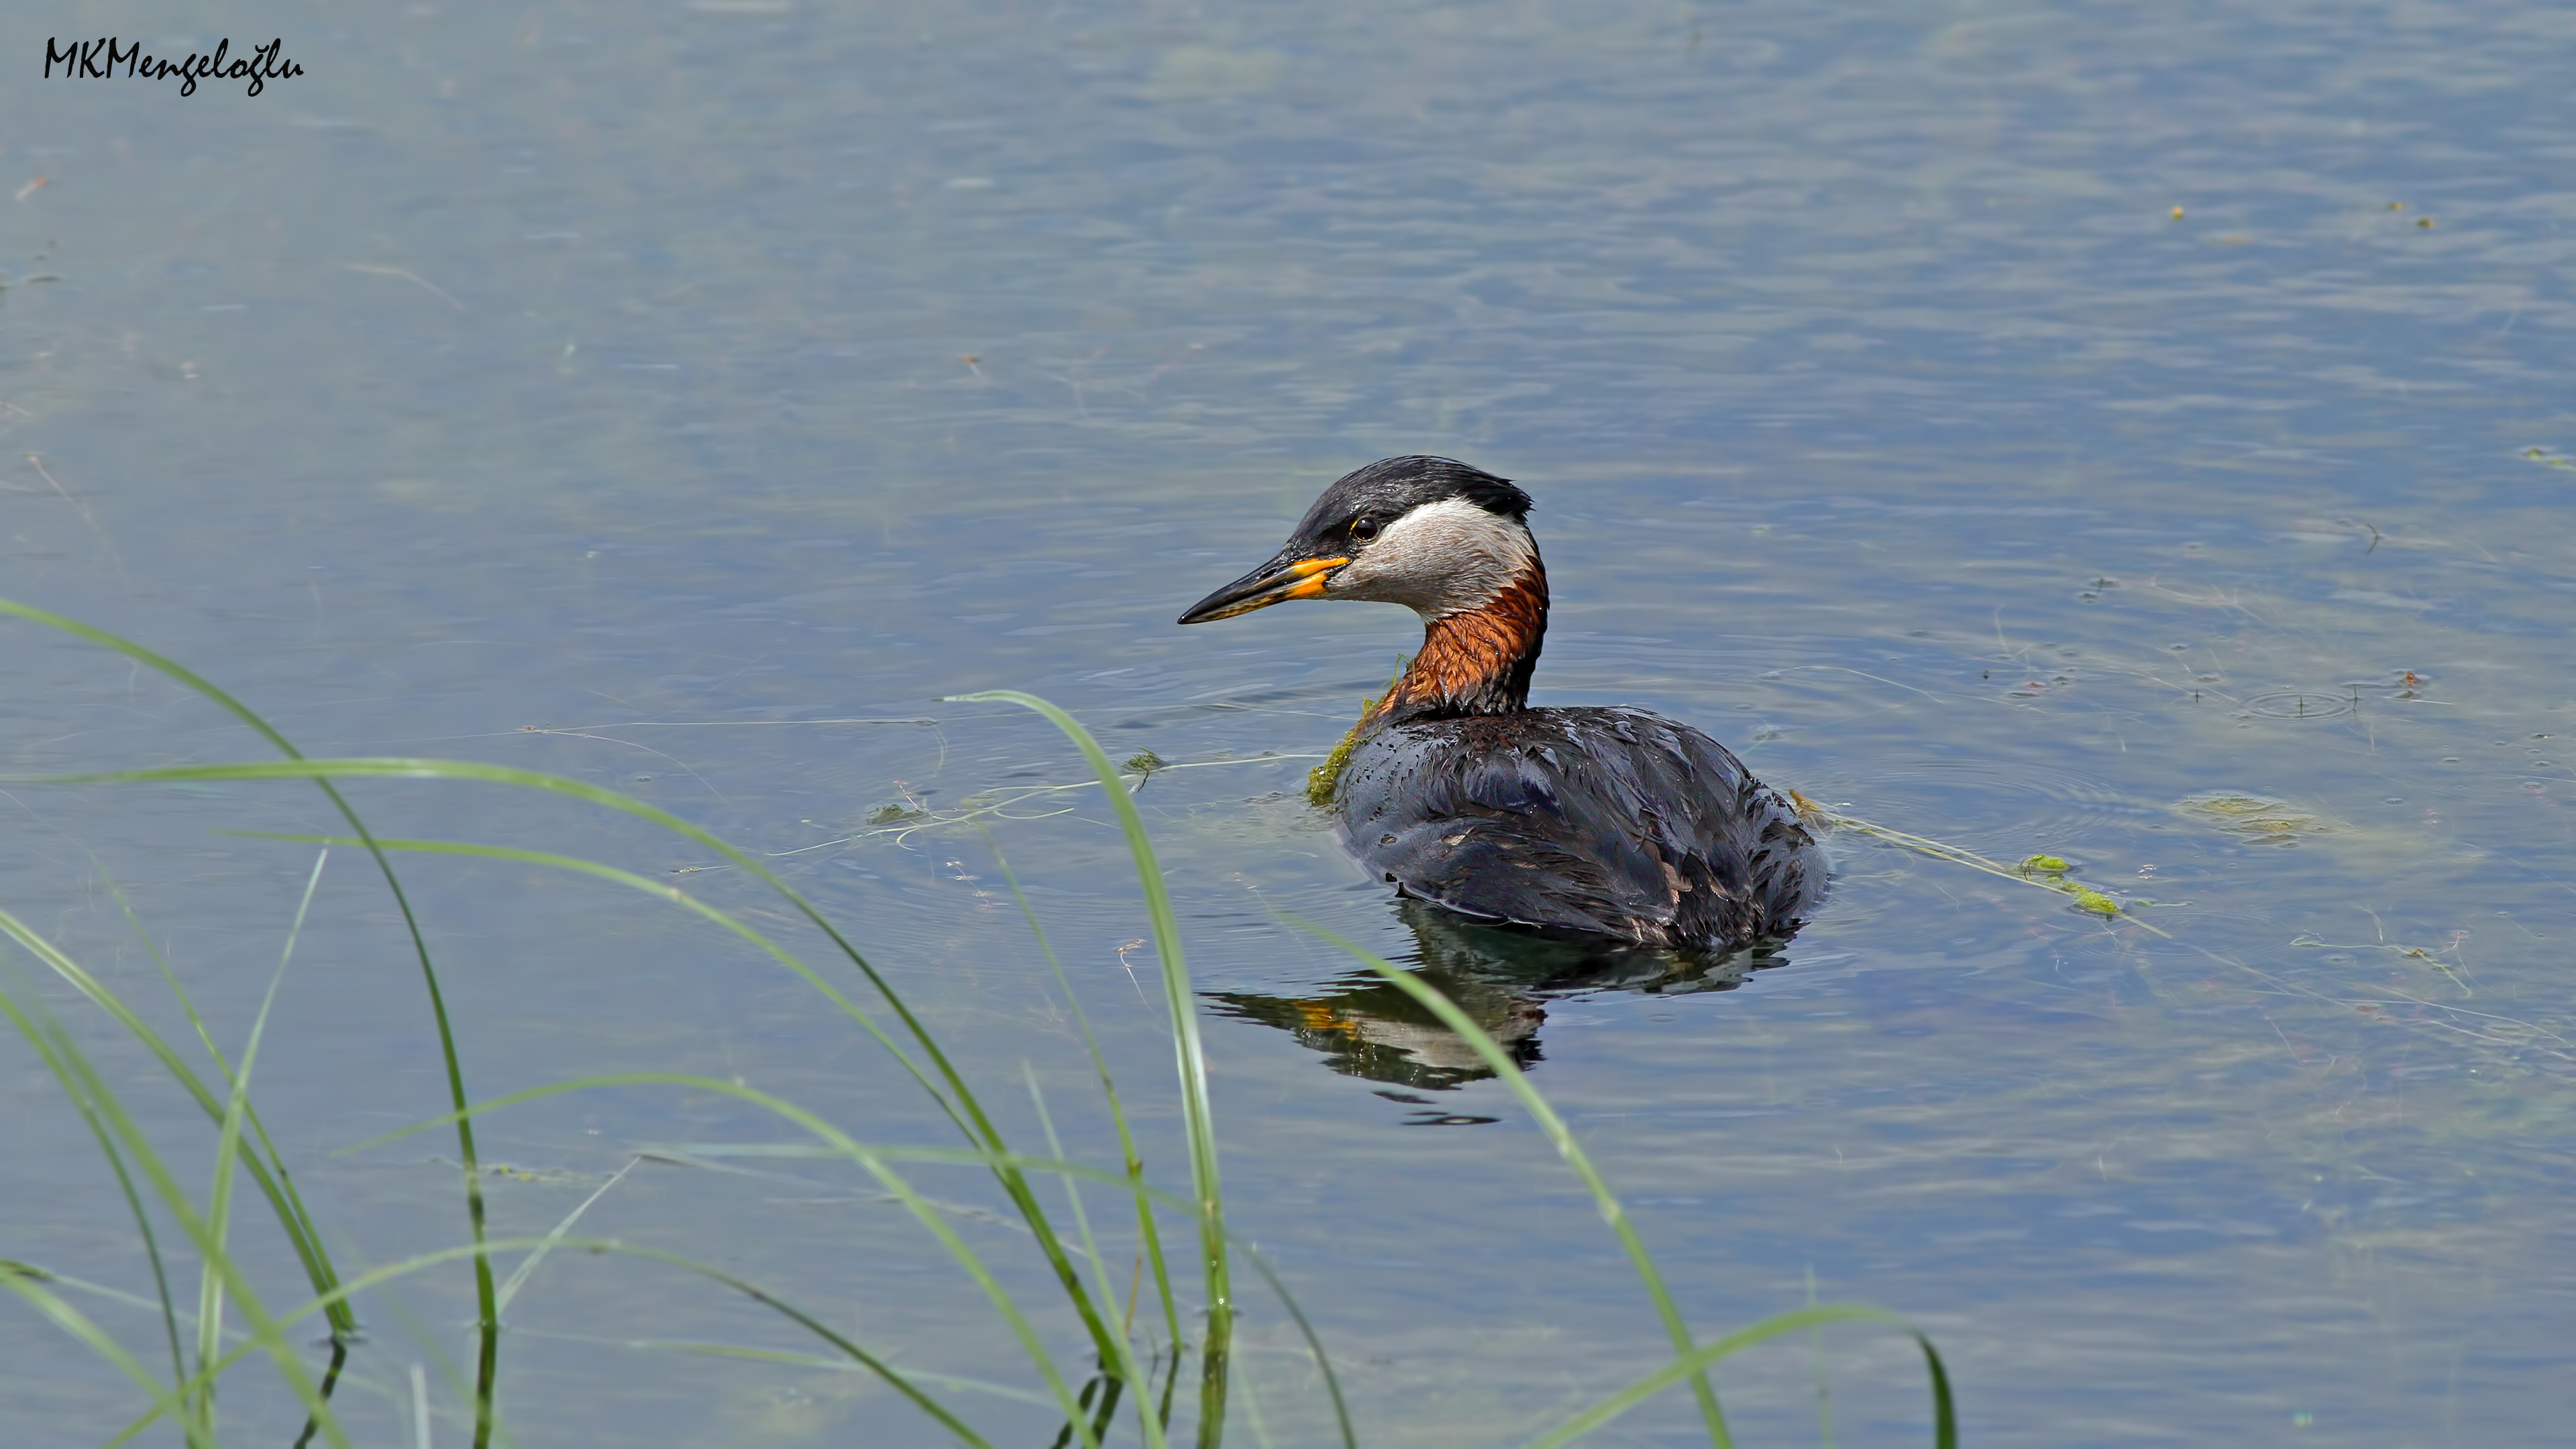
point(2257, 818)
point(232, 1321)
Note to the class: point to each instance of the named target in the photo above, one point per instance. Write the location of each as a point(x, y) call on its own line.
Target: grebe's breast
point(1602, 820)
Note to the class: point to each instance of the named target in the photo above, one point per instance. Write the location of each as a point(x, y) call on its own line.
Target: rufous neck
point(1476, 661)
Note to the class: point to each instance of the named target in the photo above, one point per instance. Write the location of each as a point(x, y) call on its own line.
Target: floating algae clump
point(1321, 780)
point(2089, 899)
point(2050, 871)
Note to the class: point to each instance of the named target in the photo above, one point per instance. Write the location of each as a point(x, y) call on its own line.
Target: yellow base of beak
point(1270, 584)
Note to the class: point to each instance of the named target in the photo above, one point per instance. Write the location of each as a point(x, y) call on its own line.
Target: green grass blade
point(1148, 1232)
point(876, 1162)
point(282, 1201)
point(904, 1383)
point(753, 1353)
point(976, 1157)
point(899, 1381)
point(469, 1162)
point(85, 1287)
point(1072, 1189)
point(667, 892)
point(980, 1124)
point(1056, 1166)
point(275, 1182)
point(107, 1146)
point(1945, 1426)
point(81, 1079)
point(80, 1327)
point(972, 1123)
point(528, 1265)
point(1314, 1345)
point(1186, 1046)
point(1509, 1073)
point(228, 1143)
point(1125, 1365)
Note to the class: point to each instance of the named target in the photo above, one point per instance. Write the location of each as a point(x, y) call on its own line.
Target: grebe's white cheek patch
point(1439, 559)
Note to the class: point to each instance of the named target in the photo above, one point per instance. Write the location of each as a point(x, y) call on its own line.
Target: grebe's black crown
point(1392, 487)
point(1430, 533)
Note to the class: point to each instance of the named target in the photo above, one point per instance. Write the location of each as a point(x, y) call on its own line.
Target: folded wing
point(1609, 821)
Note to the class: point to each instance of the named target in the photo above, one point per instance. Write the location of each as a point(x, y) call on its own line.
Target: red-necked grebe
point(1599, 820)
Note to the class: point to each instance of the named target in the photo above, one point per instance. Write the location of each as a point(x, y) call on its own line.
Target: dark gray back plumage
point(1609, 821)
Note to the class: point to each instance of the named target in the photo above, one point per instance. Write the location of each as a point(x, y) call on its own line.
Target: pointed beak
point(1285, 577)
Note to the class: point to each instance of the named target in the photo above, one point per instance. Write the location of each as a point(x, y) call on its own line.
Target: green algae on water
point(2089, 899)
point(2050, 871)
point(1322, 780)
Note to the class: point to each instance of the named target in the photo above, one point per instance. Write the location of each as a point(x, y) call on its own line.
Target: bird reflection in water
point(1502, 979)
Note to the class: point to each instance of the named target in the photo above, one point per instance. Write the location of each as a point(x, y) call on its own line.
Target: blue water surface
point(2137, 435)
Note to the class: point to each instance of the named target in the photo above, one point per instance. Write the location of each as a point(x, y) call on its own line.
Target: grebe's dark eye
point(1363, 528)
